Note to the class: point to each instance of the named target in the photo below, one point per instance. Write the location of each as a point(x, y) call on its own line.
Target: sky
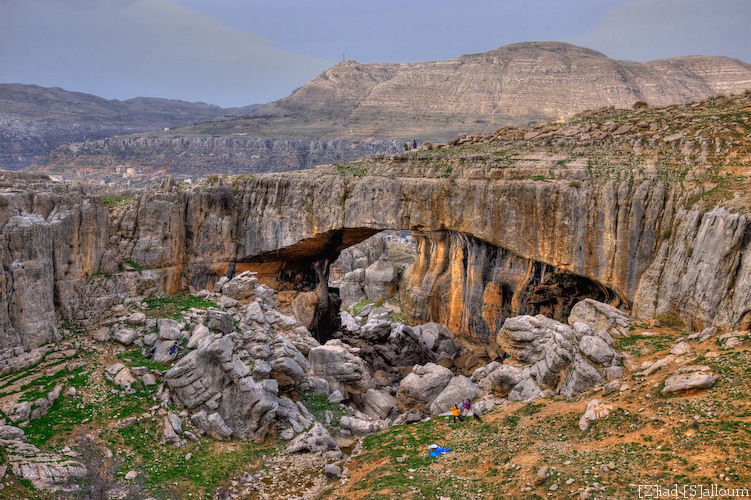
point(240, 52)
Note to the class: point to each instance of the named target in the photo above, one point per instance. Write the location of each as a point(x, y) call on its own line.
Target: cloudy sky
point(239, 52)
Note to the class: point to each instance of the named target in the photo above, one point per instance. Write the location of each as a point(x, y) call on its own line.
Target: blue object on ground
point(438, 452)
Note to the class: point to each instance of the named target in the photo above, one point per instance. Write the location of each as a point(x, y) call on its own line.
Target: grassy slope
point(647, 439)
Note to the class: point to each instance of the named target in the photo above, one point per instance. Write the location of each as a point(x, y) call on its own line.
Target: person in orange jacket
point(456, 413)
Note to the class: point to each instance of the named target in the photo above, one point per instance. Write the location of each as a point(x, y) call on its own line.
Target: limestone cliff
point(647, 208)
point(142, 159)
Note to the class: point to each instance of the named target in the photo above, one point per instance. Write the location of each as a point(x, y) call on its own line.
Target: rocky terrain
point(584, 283)
point(136, 160)
point(604, 207)
point(353, 110)
point(34, 120)
point(220, 395)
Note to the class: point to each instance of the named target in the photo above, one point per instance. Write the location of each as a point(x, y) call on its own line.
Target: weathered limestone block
point(458, 389)
point(421, 386)
point(341, 368)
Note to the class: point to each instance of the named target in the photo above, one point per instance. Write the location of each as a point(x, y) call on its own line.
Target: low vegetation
point(174, 305)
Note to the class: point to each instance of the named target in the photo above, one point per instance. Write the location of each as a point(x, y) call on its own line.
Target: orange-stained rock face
point(472, 286)
point(509, 226)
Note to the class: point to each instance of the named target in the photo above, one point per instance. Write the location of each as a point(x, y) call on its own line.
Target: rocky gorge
point(538, 252)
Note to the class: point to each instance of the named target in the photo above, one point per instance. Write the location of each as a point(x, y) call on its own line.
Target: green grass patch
point(135, 357)
point(356, 309)
point(167, 472)
point(174, 305)
point(65, 414)
point(41, 386)
point(135, 266)
point(354, 169)
point(117, 201)
point(117, 405)
point(318, 405)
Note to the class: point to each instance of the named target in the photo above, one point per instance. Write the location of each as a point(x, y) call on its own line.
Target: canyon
point(258, 336)
point(618, 218)
point(353, 110)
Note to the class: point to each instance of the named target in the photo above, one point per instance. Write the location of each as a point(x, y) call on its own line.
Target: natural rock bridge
point(489, 234)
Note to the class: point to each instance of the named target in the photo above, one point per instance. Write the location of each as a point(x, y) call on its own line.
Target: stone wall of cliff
point(150, 157)
point(472, 286)
point(504, 228)
point(624, 239)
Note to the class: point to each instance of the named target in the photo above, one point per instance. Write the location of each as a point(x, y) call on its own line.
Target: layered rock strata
point(640, 223)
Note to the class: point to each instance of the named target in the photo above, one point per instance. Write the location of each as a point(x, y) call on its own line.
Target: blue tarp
point(436, 452)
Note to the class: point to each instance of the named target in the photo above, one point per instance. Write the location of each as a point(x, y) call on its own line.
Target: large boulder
point(351, 288)
point(349, 323)
point(380, 280)
point(317, 440)
point(458, 389)
point(438, 339)
point(550, 355)
point(378, 404)
point(169, 329)
point(11, 433)
point(418, 389)
point(125, 336)
point(600, 317)
point(220, 321)
point(241, 286)
point(497, 378)
point(304, 307)
point(360, 427)
point(339, 365)
point(689, 378)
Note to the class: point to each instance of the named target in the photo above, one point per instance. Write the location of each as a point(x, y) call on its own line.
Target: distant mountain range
point(34, 120)
point(354, 109)
point(512, 85)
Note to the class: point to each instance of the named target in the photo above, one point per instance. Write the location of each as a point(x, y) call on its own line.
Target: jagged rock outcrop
point(234, 380)
point(45, 471)
point(390, 348)
point(549, 355)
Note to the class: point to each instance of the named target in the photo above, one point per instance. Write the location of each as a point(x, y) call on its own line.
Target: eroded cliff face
point(143, 159)
point(472, 286)
point(507, 231)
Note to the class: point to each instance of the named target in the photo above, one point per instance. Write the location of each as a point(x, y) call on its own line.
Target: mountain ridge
point(517, 84)
point(35, 119)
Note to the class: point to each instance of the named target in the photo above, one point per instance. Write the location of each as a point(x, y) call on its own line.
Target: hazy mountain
point(356, 109)
point(34, 120)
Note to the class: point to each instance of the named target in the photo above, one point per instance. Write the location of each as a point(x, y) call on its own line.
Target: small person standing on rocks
point(469, 412)
point(456, 413)
point(414, 143)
